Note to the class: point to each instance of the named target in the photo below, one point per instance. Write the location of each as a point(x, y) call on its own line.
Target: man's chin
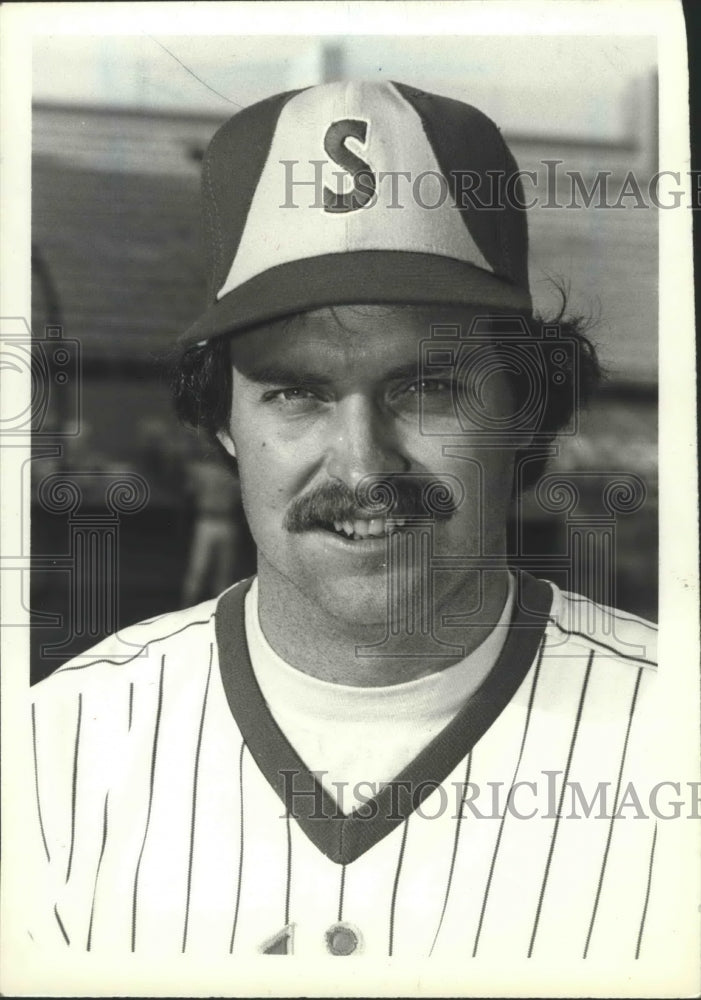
point(365, 601)
point(349, 580)
point(353, 605)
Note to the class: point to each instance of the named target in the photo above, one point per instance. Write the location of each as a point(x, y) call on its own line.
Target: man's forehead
point(380, 331)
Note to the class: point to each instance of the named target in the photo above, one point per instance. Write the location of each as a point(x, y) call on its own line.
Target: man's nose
point(363, 442)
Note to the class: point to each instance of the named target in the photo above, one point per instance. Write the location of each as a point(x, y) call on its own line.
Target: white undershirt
point(364, 734)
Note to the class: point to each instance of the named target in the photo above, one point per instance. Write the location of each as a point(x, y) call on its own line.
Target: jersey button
point(342, 939)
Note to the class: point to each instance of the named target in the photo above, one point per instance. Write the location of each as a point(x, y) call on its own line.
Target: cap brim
point(355, 278)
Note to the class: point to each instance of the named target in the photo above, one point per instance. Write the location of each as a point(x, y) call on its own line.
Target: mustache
point(403, 495)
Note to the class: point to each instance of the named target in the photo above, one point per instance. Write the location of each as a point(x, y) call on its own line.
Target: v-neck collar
point(344, 838)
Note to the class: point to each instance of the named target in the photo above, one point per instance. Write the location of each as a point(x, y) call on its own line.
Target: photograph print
point(342, 473)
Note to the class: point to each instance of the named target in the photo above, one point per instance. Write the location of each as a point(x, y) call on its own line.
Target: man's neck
point(326, 647)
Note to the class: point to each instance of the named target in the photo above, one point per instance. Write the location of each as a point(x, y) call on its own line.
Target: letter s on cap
point(364, 179)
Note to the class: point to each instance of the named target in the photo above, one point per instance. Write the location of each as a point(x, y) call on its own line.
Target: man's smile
point(375, 527)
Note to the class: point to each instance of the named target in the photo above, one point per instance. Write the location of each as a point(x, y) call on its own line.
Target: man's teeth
point(374, 527)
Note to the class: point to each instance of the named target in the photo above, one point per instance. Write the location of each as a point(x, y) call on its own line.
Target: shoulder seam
point(614, 612)
point(121, 663)
point(602, 645)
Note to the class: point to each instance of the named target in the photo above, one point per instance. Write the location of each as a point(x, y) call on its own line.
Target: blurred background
point(119, 127)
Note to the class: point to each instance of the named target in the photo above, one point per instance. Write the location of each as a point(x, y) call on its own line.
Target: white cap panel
point(394, 140)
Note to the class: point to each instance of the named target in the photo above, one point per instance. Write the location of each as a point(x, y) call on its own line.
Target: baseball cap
point(358, 192)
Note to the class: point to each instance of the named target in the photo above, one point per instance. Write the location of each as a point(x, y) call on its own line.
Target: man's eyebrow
point(413, 370)
point(272, 374)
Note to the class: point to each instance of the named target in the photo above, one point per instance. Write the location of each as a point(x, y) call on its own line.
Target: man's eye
point(291, 394)
point(296, 393)
point(428, 386)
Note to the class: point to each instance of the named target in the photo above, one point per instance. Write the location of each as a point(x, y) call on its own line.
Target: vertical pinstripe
point(615, 807)
point(97, 872)
point(341, 892)
point(458, 827)
point(85, 881)
point(238, 885)
point(647, 893)
point(60, 924)
point(194, 798)
point(150, 802)
point(36, 782)
point(395, 887)
point(492, 866)
point(565, 777)
point(74, 787)
point(288, 877)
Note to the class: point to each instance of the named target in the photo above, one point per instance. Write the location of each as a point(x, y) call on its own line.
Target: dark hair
point(201, 383)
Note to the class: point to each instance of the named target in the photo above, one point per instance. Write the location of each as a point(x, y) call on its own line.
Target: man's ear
point(227, 442)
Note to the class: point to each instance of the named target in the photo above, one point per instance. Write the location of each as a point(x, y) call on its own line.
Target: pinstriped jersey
point(172, 815)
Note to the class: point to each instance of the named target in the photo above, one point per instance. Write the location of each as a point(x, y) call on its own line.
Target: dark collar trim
point(344, 838)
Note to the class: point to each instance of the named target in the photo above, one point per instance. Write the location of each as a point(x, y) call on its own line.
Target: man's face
point(325, 399)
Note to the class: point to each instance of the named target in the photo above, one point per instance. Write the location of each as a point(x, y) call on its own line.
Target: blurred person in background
point(217, 529)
